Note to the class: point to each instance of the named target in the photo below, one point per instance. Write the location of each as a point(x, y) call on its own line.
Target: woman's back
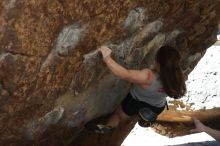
point(154, 94)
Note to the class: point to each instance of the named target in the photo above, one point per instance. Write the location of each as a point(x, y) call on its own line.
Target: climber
point(200, 127)
point(147, 97)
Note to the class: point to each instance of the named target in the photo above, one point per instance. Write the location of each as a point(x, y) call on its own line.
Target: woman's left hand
point(199, 127)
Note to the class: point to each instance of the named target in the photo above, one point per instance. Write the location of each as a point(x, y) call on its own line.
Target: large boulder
point(52, 79)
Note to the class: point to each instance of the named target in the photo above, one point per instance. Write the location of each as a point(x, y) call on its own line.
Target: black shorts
point(130, 106)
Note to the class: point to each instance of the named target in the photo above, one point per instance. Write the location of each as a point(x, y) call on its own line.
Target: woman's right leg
point(128, 107)
point(113, 121)
point(117, 117)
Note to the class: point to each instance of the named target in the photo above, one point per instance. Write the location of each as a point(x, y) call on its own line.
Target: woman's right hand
point(106, 52)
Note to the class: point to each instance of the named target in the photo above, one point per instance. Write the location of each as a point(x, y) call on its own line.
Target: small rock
point(160, 127)
point(163, 132)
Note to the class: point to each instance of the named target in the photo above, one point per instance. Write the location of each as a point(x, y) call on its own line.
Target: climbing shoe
point(146, 117)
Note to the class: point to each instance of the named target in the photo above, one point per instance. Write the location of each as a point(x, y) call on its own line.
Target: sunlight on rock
point(203, 82)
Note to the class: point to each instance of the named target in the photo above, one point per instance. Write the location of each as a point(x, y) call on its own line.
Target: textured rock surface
point(51, 78)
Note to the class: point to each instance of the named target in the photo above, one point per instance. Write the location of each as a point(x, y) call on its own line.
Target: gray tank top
point(153, 95)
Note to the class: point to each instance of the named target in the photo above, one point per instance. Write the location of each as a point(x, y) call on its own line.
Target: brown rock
point(56, 81)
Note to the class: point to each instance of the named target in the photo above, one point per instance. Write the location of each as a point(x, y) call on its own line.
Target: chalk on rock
point(74, 118)
point(135, 20)
point(69, 37)
point(54, 116)
point(154, 26)
point(38, 126)
point(66, 42)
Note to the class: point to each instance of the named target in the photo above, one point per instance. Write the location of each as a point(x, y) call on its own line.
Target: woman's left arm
point(200, 127)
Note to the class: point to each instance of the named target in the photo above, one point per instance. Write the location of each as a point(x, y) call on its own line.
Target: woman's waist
point(152, 99)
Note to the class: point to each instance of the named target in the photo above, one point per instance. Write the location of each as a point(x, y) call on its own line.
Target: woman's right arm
point(135, 76)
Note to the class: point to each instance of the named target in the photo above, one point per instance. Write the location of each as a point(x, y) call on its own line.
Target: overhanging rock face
point(52, 80)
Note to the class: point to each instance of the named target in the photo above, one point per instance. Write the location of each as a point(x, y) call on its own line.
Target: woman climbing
point(147, 97)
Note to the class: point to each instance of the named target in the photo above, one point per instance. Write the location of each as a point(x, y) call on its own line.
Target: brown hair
point(171, 74)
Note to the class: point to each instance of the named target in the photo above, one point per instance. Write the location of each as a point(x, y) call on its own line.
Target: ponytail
point(171, 74)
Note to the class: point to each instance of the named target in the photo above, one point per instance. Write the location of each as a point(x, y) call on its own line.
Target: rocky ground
point(203, 86)
point(143, 137)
